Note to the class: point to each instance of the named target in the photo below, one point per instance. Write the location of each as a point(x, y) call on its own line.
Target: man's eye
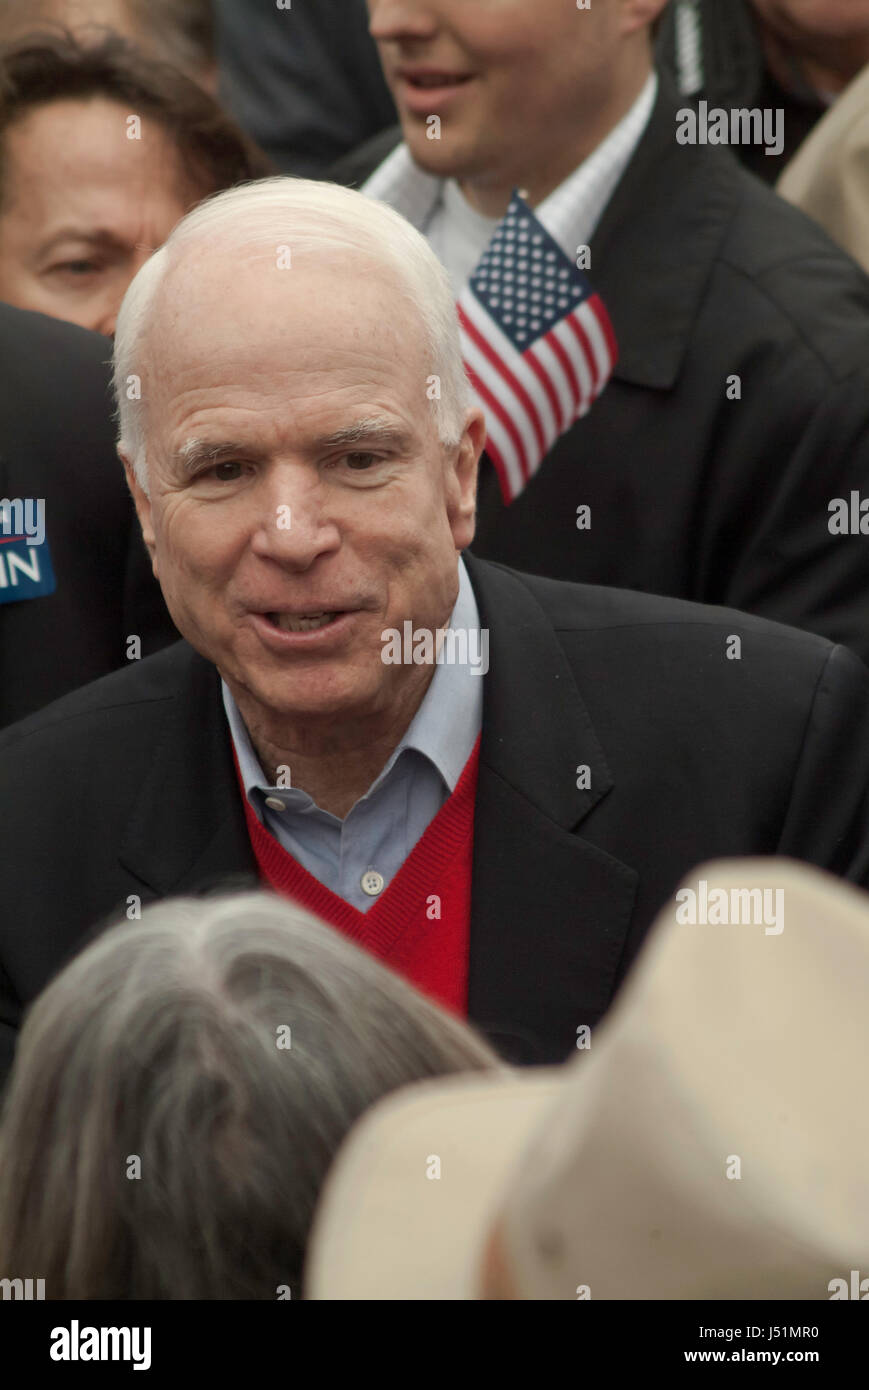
point(76, 268)
point(227, 471)
point(358, 462)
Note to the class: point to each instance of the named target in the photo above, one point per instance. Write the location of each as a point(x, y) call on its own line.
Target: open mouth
point(435, 80)
point(301, 622)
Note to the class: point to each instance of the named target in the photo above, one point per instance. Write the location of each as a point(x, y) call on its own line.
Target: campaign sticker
point(25, 570)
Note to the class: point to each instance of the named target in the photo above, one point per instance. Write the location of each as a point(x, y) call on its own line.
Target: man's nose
point(294, 525)
point(402, 19)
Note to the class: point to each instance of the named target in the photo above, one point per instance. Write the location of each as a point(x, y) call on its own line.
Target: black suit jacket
point(732, 72)
point(128, 787)
point(57, 443)
point(707, 274)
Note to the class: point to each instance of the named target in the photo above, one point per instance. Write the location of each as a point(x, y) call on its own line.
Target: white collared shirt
point(459, 234)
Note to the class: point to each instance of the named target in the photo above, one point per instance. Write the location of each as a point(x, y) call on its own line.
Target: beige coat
point(829, 175)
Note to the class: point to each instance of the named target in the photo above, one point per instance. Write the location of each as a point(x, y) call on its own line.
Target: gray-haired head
point(180, 1090)
point(312, 218)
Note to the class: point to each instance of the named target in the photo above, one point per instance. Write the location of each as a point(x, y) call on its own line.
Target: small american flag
point(537, 342)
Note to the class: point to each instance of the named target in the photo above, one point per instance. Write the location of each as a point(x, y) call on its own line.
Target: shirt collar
point(570, 213)
point(443, 730)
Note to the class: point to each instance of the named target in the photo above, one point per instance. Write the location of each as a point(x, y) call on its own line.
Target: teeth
point(289, 622)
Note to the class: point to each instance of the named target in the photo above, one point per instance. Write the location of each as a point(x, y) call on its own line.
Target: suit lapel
point(653, 250)
point(187, 831)
point(549, 911)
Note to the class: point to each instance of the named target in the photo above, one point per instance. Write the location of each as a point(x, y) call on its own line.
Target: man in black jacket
point(737, 420)
point(796, 56)
point(84, 601)
point(307, 509)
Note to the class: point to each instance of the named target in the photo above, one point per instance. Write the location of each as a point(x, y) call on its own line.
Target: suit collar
point(188, 820)
point(550, 910)
point(655, 246)
point(187, 828)
point(183, 806)
point(536, 728)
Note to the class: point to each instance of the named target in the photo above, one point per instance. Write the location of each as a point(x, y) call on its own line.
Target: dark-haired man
point(739, 408)
point(795, 56)
point(103, 150)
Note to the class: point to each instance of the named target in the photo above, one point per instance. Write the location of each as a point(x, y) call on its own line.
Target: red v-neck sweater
point(420, 924)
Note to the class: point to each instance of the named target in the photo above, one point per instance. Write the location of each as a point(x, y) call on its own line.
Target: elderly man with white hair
point(490, 781)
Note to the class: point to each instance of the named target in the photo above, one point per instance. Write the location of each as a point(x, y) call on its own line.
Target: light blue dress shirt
point(383, 826)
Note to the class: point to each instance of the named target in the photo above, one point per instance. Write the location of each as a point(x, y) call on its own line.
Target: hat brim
point(406, 1210)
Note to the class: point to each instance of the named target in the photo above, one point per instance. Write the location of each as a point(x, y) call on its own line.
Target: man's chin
point(443, 158)
point(309, 701)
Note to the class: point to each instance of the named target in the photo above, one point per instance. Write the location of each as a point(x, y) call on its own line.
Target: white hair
point(307, 216)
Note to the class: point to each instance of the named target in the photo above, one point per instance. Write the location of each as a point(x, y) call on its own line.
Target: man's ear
point(640, 14)
point(462, 483)
point(142, 503)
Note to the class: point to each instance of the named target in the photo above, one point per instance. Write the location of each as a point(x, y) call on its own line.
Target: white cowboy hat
point(712, 1142)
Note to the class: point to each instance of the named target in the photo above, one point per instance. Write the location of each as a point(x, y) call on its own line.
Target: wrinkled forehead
point(268, 317)
point(279, 294)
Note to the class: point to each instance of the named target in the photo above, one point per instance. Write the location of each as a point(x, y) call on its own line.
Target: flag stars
point(530, 285)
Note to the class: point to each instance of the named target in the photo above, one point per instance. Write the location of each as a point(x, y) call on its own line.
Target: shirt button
point(274, 803)
point(372, 882)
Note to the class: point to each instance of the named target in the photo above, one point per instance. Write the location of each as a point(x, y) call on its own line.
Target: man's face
point(505, 77)
point(83, 206)
point(316, 486)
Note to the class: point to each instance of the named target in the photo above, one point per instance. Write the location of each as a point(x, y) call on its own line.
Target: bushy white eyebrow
point(194, 452)
point(377, 431)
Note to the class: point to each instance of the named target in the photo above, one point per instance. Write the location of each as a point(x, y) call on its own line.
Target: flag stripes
point(537, 343)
